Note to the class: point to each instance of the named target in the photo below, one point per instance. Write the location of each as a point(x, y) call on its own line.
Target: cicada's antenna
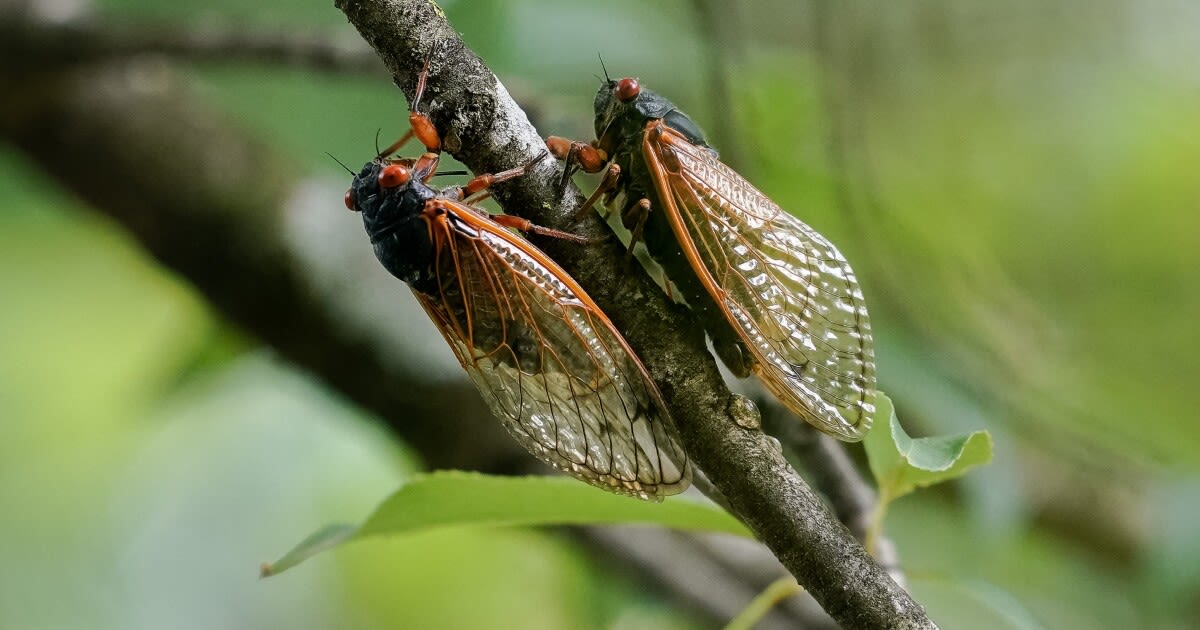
point(340, 163)
point(606, 79)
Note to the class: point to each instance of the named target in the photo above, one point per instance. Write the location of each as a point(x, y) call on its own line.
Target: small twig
point(713, 575)
point(776, 592)
point(486, 131)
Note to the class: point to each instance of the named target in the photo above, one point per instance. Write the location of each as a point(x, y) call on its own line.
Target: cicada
point(549, 363)
point(776, 298)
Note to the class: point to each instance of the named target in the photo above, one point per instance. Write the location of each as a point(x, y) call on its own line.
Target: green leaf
point(464, 499)
point(327, 537)
point(902, 464)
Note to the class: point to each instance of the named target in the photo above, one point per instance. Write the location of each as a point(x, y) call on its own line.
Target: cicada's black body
point(622, 123)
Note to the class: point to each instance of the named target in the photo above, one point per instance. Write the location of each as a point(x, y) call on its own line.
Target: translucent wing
point(549, 363)
point(786, 289)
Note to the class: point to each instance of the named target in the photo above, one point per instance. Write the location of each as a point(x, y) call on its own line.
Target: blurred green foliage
point(1015, 185)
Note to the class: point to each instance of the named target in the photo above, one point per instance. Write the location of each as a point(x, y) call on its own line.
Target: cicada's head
point(392, 201)
point(387, 194)
point(623, 107)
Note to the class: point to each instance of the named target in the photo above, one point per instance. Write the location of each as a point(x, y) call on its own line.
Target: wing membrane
point(786, 289)
point(549, 363)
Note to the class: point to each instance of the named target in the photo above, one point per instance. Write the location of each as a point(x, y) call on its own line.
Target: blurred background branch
point(93, 41)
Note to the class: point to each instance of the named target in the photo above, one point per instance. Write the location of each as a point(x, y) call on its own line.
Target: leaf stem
point(762, 604)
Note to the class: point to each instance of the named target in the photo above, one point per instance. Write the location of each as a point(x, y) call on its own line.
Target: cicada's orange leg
point(607, 185)
point(591, 159)
point(475, 190)
point(576, 155)
point(634, 218)
point(586, 156)
point(525, 225)
point(424, 167)
point(419, 123)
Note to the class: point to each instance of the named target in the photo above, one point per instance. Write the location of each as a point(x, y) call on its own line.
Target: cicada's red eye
point(350, 200)
point(394, 176)
point(628, 89)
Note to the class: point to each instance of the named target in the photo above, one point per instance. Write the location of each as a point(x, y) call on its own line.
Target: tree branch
point(485, 130)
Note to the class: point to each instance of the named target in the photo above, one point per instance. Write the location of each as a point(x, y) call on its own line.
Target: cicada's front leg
point(581, 156)
point(577, 154)
point(590, 159)
point(476, 189)
point(424, 167)
point(634, 218)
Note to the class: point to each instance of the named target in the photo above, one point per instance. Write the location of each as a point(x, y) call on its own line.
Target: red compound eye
point(628, 89)
point(350, 200)
point(394, 175)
